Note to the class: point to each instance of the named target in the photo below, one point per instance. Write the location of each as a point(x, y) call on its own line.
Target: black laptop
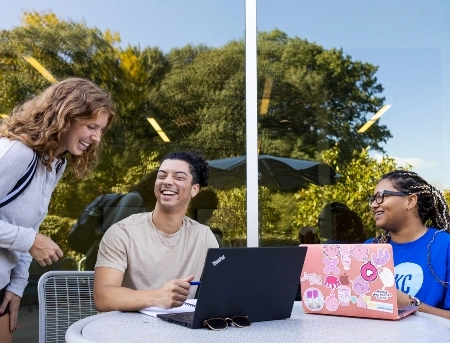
point(260, 283)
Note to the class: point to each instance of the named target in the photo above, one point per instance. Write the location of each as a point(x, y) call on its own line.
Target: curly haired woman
point(67, 120)
point(403, 203)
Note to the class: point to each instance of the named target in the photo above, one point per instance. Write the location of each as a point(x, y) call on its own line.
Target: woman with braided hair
point(402, 204)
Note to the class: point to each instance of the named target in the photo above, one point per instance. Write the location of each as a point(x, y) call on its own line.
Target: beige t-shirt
point(135, 248)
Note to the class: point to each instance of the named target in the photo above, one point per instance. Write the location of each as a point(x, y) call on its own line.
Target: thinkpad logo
point(220, 259)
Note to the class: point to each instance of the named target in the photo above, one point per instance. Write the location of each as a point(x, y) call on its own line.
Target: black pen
point(195, 283)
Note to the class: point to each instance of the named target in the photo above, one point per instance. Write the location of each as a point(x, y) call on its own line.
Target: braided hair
point(430, 202)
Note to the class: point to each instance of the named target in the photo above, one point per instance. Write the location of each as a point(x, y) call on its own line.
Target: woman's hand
point(45, 251)
point(14, 301)
point(402, 299)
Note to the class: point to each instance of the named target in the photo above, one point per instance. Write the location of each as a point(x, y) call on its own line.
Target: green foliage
point(231, 218)
point(357, 181)
point(57, 229)
point(286, 206)
point(318, 98)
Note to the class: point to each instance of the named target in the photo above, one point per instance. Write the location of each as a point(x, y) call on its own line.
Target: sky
point(407, 39)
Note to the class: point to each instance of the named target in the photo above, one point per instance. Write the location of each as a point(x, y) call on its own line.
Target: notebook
point(355, 280)
point(260, 283)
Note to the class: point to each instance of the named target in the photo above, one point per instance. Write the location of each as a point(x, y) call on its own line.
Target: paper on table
point(188, 306)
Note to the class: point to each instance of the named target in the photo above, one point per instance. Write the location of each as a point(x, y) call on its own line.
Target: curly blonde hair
point(41, 122)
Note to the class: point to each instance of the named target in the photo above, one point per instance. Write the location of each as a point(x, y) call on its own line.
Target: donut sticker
point(369, 272)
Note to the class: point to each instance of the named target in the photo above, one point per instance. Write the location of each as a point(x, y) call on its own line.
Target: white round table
point(115, 327)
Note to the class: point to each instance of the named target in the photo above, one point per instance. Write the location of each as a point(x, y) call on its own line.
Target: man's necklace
point(178, 240)
point(159, 236)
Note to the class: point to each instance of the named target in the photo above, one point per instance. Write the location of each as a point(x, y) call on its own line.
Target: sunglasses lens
point(241, 321)
point(217, 323)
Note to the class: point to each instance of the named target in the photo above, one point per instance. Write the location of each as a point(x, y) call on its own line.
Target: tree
point(201, 99)
point(64, 48)
point(230, 216)
point(318, 98)
point(321, 97)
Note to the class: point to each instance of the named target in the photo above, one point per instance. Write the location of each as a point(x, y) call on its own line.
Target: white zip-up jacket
point(21, 218)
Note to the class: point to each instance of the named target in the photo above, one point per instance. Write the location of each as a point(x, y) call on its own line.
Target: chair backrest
point(64, 298)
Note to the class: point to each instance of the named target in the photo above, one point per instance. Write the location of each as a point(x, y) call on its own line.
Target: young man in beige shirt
point(149, 259)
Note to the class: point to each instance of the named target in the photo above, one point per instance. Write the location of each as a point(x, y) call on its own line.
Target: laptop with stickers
point(356, 280)
point(260, 283)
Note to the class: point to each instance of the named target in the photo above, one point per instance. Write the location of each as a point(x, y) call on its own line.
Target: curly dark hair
point(198, 166)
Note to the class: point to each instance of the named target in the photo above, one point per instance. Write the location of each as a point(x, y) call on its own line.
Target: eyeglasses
point(379, 196)
point(222, 323)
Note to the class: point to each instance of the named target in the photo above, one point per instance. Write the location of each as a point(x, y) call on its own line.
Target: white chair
point(64, 298)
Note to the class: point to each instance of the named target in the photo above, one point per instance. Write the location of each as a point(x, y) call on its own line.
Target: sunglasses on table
point(378, 197)
point(222, 323)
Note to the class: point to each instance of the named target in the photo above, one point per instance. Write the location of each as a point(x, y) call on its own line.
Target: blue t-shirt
point(413, 275)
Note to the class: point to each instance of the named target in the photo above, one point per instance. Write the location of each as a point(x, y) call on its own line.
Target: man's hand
point(110, 295)
point(174, 293)
point(45, 251)
point(14, 302)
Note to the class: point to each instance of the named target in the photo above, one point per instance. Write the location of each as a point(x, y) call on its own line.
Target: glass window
point(360, 86)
